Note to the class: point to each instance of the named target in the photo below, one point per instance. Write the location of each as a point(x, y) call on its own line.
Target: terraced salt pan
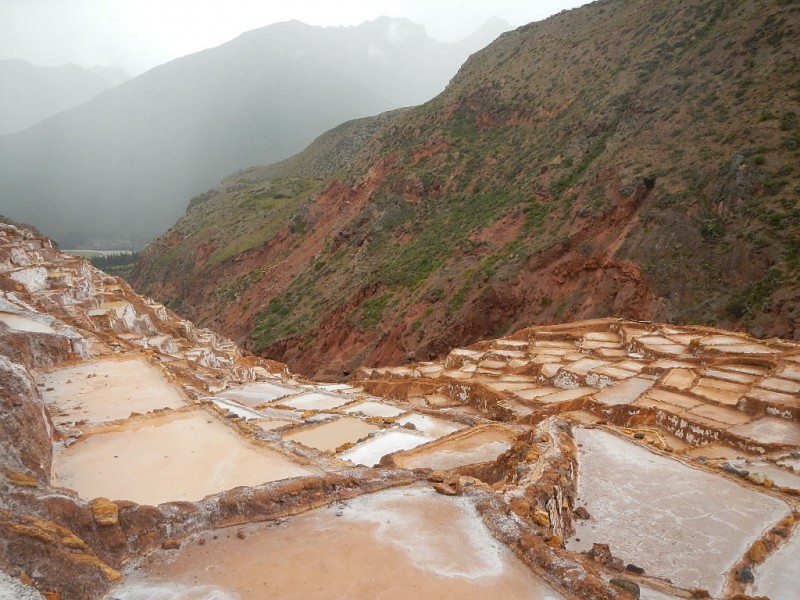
point(771, 430)
point(179, 456)
point(624, 392)
point(107, 390)
point(392, 545)
point(370, 452)
point(315, 401)
point(257, 393)
point(375, 409)
point(777, 576)
point(273, 424)
point(21, 323)
point(481, 446)
point(236, 409)
point(331, 435)
point(431, 425)
point(670, 519)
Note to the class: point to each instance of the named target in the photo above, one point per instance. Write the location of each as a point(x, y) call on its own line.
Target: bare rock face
point(25, 442)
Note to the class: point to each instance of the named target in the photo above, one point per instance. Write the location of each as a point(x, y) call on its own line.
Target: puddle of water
point(315, 401)
point(370, 452)
point(392, 545)
point(672, 520)
point(180, 456)
point(257, 393)
point(478, 447)
point(107, 390)
point(24, 324)
point(329, 436)
point(375, 409)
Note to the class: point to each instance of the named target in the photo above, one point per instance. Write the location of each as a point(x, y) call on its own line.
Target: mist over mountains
point(30, 93)
point(119, 169)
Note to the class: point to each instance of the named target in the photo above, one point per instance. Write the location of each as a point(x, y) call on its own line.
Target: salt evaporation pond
point(673, 520)
point(370, 452)
point(253, 394)
point(107, 390)
point(331, 435)
point(478, 447)
point(375, 409)
point(393, 545)
point(24, 324)
point(178, 456)
point(777, 576)
point(314, 401)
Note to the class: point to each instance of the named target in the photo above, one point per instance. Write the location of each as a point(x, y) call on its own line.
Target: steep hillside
point(627, 158)
point(115, 172)
point(29, 93)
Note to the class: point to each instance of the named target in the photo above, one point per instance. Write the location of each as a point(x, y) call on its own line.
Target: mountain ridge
point(117, 169)
point(30, 94)
point(621, 159)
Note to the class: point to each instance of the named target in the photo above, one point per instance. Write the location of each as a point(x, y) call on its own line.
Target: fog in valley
point(98, 160)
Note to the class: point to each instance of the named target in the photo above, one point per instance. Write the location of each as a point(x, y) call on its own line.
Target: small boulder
point(758, 552)
point(634, 569)
point(582, 513)
point(520, 507)
point(170, 544)
point(626, 584)
point(745, 575)
point(105, 512)
point(541, 518)
point(444, 489)
point(437, 476)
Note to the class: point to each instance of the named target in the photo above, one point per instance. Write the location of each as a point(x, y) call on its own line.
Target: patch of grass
point(370, 311)
point(746, 303)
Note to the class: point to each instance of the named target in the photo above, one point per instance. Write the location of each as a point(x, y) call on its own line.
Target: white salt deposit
point(24, 324)
point(673, 520)
point(375, 409)
point(370, 452)
point(315, 401)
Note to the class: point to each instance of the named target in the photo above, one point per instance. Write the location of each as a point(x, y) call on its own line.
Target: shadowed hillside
point(627, 158)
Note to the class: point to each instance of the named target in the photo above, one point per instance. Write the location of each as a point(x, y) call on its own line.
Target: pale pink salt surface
point(393, 545)
point(21, 323)
point(430, 425)
point(180, 456)
point(778, 577)
point(375, 409)
point(314, 401)
point(253, 394)
point(333, 434)
point(771, 430)
point(107, 390)
point(482, 446)
point(674, 521)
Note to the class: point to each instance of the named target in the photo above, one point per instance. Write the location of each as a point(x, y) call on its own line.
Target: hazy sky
point(140, 34)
